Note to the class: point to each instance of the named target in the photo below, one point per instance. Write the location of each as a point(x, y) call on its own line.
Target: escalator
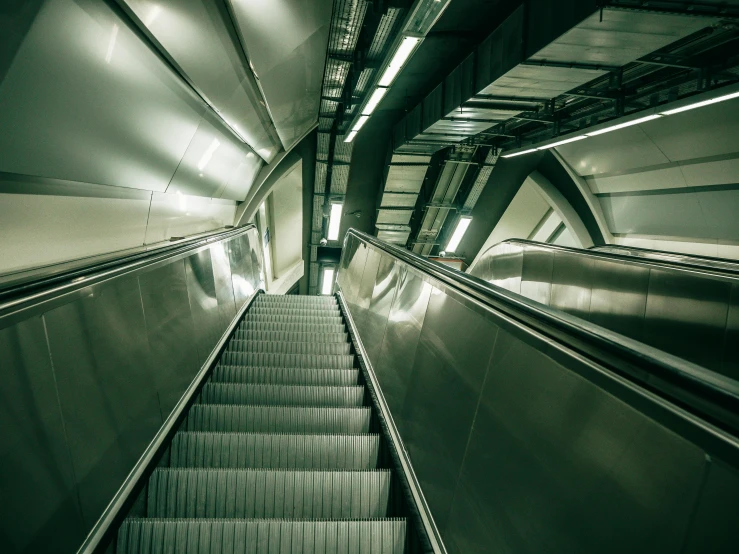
point(276, 455)
point(164, 403)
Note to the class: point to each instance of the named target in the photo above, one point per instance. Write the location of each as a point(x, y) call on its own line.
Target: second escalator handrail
point(710, 389)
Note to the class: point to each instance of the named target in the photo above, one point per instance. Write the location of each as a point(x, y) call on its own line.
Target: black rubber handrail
point(712, 396)
point(19, 295)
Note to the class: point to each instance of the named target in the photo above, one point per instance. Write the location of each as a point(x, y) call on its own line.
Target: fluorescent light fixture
point(334, 221)
point(374, 100)
point(519, 153)
point(328, 281)
point(205, 160)
point(360, 122)
point(350, 136)
point(703, 103)
point(561, 142)
point(402, 54)
point(111, 43)
point(458, 233)
point(624, 125)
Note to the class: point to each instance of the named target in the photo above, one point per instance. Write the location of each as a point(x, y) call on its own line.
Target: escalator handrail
point(711, 388)
point(683, 260)
point(22, 295)
point(695, 269)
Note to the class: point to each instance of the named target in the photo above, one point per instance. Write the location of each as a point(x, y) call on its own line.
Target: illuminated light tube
point(205, 160)
point(328, 281)
point(374, 100)
point(461, 229)
point(350, 136)
point(402, 54)
point(703, 103)
point(519, 153)
point(360, 122)
point(624, 125)
point(561, 142)
point(334, 221)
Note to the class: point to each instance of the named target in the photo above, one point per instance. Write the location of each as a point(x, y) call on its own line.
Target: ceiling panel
point(286, 43)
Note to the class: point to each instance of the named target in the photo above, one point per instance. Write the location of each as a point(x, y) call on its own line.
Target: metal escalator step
point(292, 299)
point(267, 493)
point(283, 536)
point(274, 359)
point(285, 376)
point(295, 310)
point(261, 450)
point(282, 395)
point(309, 319)
point(286, 347)
point(292, 327)
point(242, 334)
point(277, 419)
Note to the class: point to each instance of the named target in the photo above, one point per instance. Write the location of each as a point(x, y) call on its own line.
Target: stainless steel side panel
point(39, 511)
point(87, 379)
point(731, 339)
point(101, 358)
point(521, 445)
point(572, 285)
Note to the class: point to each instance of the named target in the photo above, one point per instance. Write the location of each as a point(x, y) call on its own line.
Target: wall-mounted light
point(402, 54)
point(350, 136)
point(561, 142)
point(328, 281)
point(708, 102)
point(334, 221)
point(360, 122)
point(374, 100)
point(459, 231)
point(623, 125)
point(519, 153)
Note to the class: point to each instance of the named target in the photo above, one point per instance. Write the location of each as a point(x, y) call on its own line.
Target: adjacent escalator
point(277, 453)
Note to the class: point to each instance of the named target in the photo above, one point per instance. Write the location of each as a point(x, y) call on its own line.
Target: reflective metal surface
point(678, 308)
point(521, 444)
point(90, 373)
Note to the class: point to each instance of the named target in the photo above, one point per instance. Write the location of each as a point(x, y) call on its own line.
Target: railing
point(689, 260)
point(98, 365)
point(507, 406)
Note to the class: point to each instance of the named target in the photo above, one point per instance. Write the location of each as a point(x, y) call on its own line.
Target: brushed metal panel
point(354, 271)
point(223, 283)
point(730, 355)
point(39, 511)
point(572, 283)
point(286, 43)
point(170, 328)
point(536, 274)
point(347, 253)
point(201, 290)
point(686, 316)
point(386, 285)
point(448, 371)
point(398, 351)
point(238, 255)
point(714, 525)
point(214, 65)
point(86, 83)
point(506, 268)
point(557, 465)
point(210, 162)
point(255, 256)
point(364, 292)
point(619, 297)
point(108, 398)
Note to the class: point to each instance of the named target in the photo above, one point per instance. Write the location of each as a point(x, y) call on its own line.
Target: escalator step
point(285, 347)
point(293, 327)
point(293, 299)
point(277, 419)
point(242, 334)
point(267, 493)
point(275, 359)
point(285, 376)
point(308, 319)
point(256, 450)
point(277, 536)
point(282, 395)
point(293, 310)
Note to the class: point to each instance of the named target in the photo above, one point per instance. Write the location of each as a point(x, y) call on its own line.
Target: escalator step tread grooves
point(276, 454)
point(260, 536)
point(285, 376)
point(287, 347)
point(274, 451)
